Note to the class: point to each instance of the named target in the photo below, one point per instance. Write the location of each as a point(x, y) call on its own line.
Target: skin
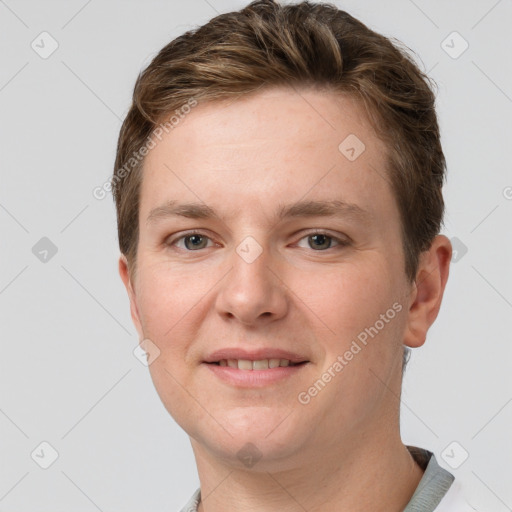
point(244, 159)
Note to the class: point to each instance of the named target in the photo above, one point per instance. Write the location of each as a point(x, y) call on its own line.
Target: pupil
point(196, 240)
point(323, 239)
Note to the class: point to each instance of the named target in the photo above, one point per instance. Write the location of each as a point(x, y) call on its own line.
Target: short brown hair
point(305, 44)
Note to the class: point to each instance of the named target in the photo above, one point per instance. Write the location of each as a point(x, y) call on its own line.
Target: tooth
point(260, 365)
point(232, 363)
point(223, 362)
point(273, 363)
point(284, 362)
point(244, 364)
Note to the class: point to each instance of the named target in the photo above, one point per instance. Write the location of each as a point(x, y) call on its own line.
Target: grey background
point(68, 375)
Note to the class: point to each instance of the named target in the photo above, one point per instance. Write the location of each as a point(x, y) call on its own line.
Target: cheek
point(166, 303)
point(365, 317)
point(165, 298)
point(352, 296)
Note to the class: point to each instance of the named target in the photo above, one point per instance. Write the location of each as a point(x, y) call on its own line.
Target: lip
point(254, 355)
point(254, 378)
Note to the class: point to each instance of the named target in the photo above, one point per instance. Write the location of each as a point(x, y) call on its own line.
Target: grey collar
point(433, 485)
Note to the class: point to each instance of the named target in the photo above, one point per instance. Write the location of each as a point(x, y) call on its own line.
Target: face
point(269, 233)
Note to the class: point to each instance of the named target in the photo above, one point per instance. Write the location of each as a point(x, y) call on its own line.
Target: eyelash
point(339, 241)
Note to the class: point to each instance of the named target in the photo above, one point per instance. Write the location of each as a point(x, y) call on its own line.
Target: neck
point(358, 476)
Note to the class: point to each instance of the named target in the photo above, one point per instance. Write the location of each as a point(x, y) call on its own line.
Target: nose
point(253, 292)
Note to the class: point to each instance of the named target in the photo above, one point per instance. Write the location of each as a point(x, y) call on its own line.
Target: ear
point(427, 290)
point(134, 311)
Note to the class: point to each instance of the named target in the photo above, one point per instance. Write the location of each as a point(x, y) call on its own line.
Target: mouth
point(242, 367)
point(260, 364)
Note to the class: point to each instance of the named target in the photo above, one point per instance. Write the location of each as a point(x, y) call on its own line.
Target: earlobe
point(427, 291)
point(124, 272)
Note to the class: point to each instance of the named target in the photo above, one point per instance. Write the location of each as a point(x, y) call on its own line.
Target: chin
point(250, 453)
point(256, 438)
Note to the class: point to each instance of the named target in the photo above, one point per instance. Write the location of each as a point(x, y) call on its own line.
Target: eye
point(192, 241)
point(319, 241)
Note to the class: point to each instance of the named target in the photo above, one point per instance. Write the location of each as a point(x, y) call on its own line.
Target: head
point(245, 116)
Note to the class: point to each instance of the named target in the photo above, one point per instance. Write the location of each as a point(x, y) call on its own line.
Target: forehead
point(263, 148)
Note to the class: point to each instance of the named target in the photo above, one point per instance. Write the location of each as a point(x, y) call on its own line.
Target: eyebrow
point(300, 209)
